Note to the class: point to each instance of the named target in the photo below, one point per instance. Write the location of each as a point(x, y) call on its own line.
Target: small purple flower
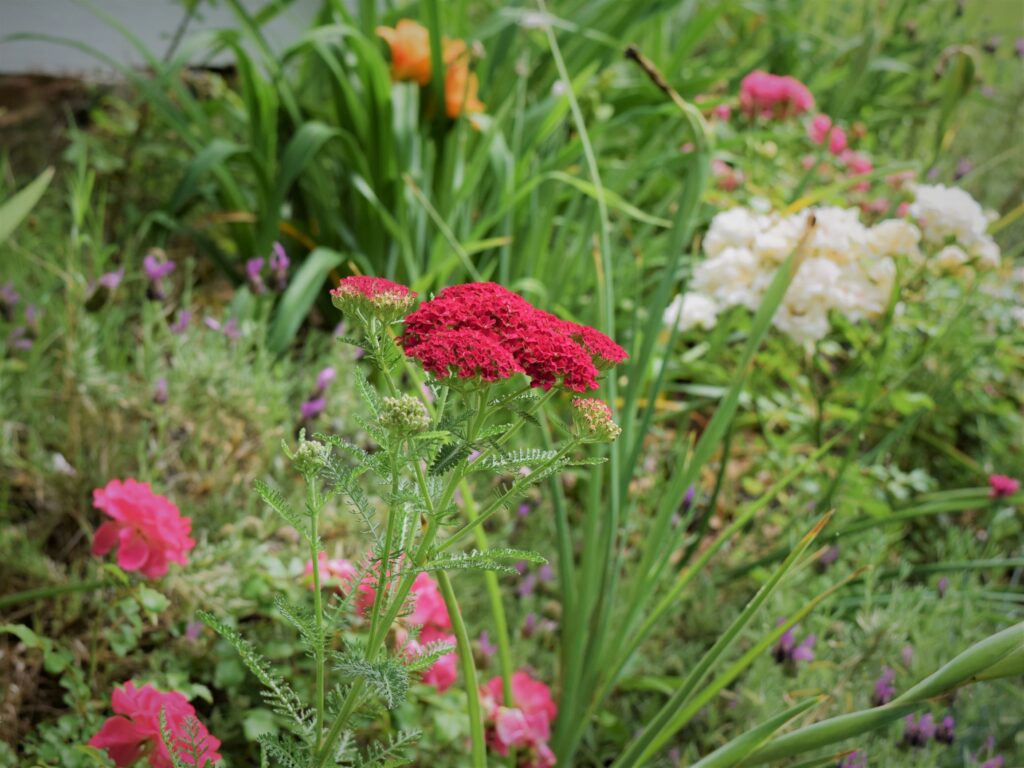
point(942, 587)
point(963, 167)
point(1018, 47)
point(525, 471)
point(884, 688)
point(160, 391)
point(993, 762)
point(180, 325)
point(9, 299)
point(231, 329)
point(110, 280)
point(787, 651)
point(945, 733)
point(546, 574)
point(20, 339)
point(324, 379)
point(32, 316)
point(805, 651)
point(529, 624)
point(312, 408)
point(428, 393)
point(279, 263)
point(156, 270)
point(527, 585)
point(916, 732)
point(907, 655)
point(522, 566)
point(828, 557)
point(473, 456)
point(253, 273)
point(691, 492)
point(524, 510)
point(487, 648)
point(193, 630)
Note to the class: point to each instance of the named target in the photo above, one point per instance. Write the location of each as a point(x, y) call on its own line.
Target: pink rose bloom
point(338, 573)
point(1001, 486)
point(429, 610)
point(527, 724)
point(722, 112)
point(147, 528)
point(134, 730)
point(771, 96)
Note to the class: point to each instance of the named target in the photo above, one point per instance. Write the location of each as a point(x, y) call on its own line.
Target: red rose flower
point(135, 728)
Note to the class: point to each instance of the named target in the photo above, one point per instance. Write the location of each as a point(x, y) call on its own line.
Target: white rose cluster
point(845, 267)
point(954, 222)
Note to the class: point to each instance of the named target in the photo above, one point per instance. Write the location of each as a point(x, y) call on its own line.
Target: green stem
point(499, 502)
point(312, 500)
point(41, 593)
point(465, 651)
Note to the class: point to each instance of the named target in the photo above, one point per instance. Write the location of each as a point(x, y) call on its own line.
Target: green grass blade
point(731, 754)
point(14, 211)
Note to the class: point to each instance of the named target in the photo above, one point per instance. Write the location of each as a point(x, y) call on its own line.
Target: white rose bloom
point(951, 258)
point(894, 237)
point(816, 285)
point(734, 228)
point(802, 328)
point(691, 310)
point(948, 212)
point(987, 252)
point(729, 278)
point(780, 239)
point(837, 235)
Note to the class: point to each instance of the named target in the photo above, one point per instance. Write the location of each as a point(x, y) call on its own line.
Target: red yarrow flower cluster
point(372, 297)
point(503, 334)
point(134, 730)
point(1001, 486)
point(429, 613)
point(526, 725)
point(147, 528)
point(773, 96)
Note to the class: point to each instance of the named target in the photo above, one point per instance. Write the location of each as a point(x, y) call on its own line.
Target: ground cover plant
point(510, 384)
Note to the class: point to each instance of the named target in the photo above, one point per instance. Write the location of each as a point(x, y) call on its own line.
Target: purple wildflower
point(325, 378)
point(907, 655)
point(160, 391)
point(963, 167)
point(428, 393)
point(946, 730)
point(253, 273)
point(20, 339)
point(32, 317)
point(524, 510)
point(916, 732)
point(993, 762)
point(522, 566)
point(231, 329)
point(529, 624)
point(312, 408)
point(193, 630)
point(487, 648)
point(9, 299)
point(156, 270)
point(691, 492)
point(180, 325)
point(527, 585)
point(473, 456)
point(855, 759)
point(884, 688)
point(828, 557)
point(279, 263)
point(1018, 47)
point(942, 587)
point(787, 651)
point(546, 574)
point(110, 280)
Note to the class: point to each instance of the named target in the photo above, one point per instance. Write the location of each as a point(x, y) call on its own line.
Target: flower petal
point(133, 552)
point(105, 538)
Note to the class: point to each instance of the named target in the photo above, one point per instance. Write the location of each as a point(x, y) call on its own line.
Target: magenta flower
point(787, 651)
point(156, 269)
point(1001, 486)
point(325, 378)
point(943, 587)
point(917, 733)
point(884, 688)
point(279, 263)
point(253, 273)
point(526, 725)
point(147, 528)
point(134, 730)
point(180, 325)
point(312, 408)
point(110, 280)
point(945, 733)
point(9, 299)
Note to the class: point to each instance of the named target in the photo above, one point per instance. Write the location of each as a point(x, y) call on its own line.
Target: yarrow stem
point(313, 506)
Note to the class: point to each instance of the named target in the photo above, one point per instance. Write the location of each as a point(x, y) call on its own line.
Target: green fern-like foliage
point(278, 694)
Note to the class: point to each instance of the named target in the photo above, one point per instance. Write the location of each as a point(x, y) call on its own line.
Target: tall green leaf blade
point(14, 211)
point(299, 297)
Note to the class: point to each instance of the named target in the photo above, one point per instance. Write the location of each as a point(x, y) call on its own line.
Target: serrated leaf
point(368, 393)
point(388, 678)
point(515, 460)
point(497, 559)
point(273, 498)
point(448, 457)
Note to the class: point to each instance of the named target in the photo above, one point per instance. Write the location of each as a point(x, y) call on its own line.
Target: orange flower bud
point(410, 51)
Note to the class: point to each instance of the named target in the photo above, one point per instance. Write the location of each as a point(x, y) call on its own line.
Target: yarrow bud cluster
point(404, 415)
point(483, 331)
point(593, 420)
point(310, 456)
point(364, 297)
